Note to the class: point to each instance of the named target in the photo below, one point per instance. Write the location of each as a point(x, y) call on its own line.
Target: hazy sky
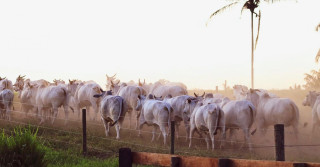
point(158, 39)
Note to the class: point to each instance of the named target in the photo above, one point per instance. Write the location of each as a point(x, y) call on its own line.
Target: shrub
point(21, 148)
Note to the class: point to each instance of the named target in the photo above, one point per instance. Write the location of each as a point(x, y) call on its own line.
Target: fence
point(126, 158)
point(89, 138)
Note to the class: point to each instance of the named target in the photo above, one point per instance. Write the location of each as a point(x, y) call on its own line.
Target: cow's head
point(190, 105)
point(115, 86)
point(253, 96)
point(310, 99)
point(208, 95)
point(140, 101)
point(200, 98)
point(18, 85)
point(72, 86)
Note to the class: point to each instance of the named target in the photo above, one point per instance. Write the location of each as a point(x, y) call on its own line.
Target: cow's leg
point(118, 130)
point(187, 126)
point(40, 108)
point(232, 130)
point(78, 109)
point(137, 116)
point(164, 133)
point(96, 110)
point(153, 132)
point(177, 124)
point(55, 113)
point(159, 134)
point(8, 112)
point(207, 141)
point(22, 109)
point(192, 129)
point(247, 137)
point(106, 126)
point(141, 123)
point(40, 113)
point(212, 139)
point(66, 113)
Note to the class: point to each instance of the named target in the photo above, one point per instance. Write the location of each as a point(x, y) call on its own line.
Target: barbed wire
point(140, 145)
point(128, 118)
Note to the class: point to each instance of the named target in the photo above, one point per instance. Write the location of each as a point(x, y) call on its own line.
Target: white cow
point(213, 98)
point(83, 96)
point(239, 114)
point(313, 100)
point(271, 111)
point(51, 97)
point(182, 108)
point(240, 92)
point(6, 103)
point(113, 110)
point(207, 119)
point(154, 113)
point(165, 88)
point(5, 84)
point(130, 95)
point(27, 97)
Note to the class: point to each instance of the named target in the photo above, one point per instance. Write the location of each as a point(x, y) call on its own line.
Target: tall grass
point(21, 148)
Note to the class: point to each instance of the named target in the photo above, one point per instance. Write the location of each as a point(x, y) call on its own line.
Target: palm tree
point(251, 5)
point(318, 54)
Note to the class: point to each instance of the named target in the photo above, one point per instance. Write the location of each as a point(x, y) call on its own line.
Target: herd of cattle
point(157, 105)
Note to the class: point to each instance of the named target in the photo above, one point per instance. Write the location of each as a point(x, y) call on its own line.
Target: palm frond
point(221, 10)
point(257, 38)
point(318, 56)
point(245, 6)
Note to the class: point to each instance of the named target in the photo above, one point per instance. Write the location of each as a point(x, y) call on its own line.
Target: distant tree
point(312, 80)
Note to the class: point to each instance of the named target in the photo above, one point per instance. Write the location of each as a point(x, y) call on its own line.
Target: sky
point(152, 40)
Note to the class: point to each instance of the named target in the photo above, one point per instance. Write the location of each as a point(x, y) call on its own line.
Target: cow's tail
point(170, 111)
point(253, 112)
point(66, 96)
point(296, 114)
point(120, 100)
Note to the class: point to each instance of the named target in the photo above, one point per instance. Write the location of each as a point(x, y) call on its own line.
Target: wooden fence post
point(125, 157)
point(224, 162)
point(279, 142)
point(175, 161)
point(172, 137)
point(299, 165)
point(84, 132)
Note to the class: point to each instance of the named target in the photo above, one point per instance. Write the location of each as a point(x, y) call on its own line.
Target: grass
point(71, 159)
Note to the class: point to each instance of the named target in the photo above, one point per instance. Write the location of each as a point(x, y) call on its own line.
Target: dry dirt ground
point(306, 148)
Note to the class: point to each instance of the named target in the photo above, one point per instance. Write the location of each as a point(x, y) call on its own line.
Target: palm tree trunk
point(252, 49)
